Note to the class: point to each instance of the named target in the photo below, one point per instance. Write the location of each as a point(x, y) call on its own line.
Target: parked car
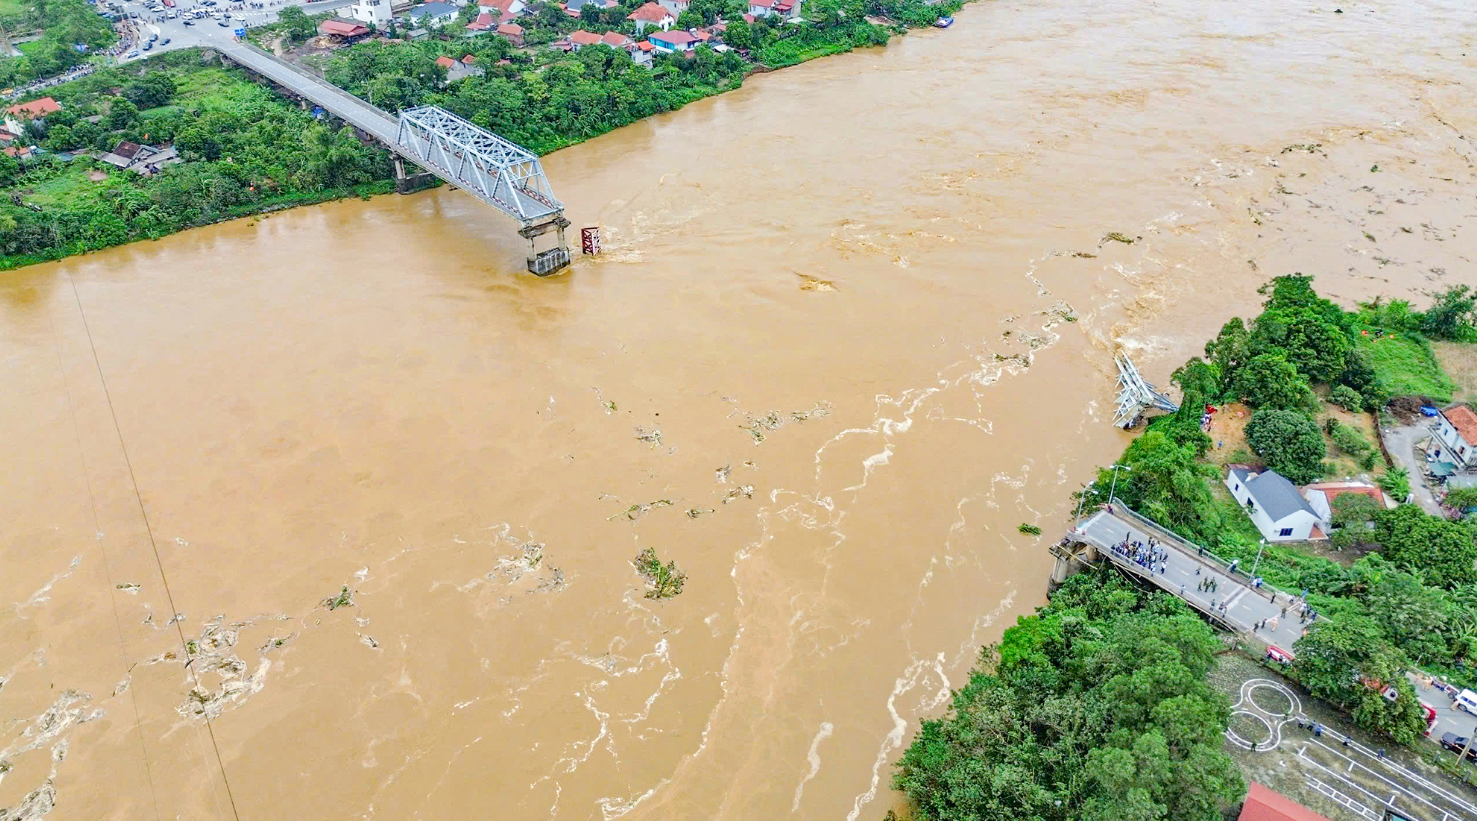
point(189, 22)
point(1457, 743)
point(133, 54)
point(1466, 700)
point(164, 42)
point(223, 24)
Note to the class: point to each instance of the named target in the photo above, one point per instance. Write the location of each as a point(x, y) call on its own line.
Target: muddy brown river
point(854, 325)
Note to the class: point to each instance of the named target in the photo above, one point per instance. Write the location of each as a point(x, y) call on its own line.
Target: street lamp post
point(1114, 487)
point(1080, 499)
point(1258, 561)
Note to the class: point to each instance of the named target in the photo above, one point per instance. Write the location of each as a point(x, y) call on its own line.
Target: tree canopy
point(1097, 707)
point(1289, 441)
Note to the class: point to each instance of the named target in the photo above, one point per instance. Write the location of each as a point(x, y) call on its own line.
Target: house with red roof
point(1456, 427)
point(1321, 496)
point(503, 10)
point(785, 9)
point(644, 53)
point(18, 115)
point(581, 38)
point(513, 32)
point(346, 30)
point(615, 39)
point(652, 15)
point(1262, 804)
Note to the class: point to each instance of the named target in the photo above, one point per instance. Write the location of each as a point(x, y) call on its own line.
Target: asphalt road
point(1401, 442)
point(206, 31)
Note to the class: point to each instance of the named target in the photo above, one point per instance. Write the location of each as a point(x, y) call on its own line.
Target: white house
point(432, 14)
point(676, 7)
point(371, 12)
point(1456, 427)
point(786, 9)
point(1275, 506)
point(652, 14)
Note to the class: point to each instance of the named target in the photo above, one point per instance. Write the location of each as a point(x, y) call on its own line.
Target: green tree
point(1166, 482)
point(1453, 315)
point(296, 24)
point(1289, 441)
point(1346, 398)
point(1348, 662)
point(739, 34)
point(1097, 707)
point(1396, 482)
point(122, 115)
point(1269, 381)
point(1442, 552)
point(1353, 509)
point(10, 169)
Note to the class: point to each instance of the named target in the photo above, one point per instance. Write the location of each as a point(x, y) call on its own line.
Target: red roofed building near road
point(652, 14)
point(484, 22)
point(1457, 429)
point(615, 39)
point(17, 115)
point(1263, 804)
point(347, 29)
point(445, 62)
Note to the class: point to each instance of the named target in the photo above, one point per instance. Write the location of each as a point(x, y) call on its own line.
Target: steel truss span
point(500, 173)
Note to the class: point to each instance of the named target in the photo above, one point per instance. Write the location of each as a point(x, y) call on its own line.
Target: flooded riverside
point(350, 485)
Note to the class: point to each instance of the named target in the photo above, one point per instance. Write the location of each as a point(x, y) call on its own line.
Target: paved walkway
point(1184, 570)
point(1401, 442)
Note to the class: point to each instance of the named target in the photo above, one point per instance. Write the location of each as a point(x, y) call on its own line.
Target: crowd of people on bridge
point(1150, 555)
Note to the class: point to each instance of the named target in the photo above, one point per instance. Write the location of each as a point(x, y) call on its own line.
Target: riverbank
point(61, 203)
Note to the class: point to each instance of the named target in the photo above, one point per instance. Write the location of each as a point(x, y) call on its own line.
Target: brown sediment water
point(854, 324)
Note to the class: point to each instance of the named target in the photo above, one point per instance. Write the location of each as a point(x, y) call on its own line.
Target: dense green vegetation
point(62, 24)
point(1096, 708)
point(1413, 600)
point(247, 151)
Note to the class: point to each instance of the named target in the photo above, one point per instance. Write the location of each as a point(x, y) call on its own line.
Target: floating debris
point(1030, 530)
point(759, 425)
point(652, 437)
point(746, 491)
point(722, 474)
point(635, 512)
point(368, 641)
point(662, 581)
point(343, 599)
point(1116, 237)
point(1308, 148)
point(1083, 255)
point(129, 588)
point(694, 512)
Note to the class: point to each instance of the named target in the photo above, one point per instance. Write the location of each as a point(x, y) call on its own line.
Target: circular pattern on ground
point(1275, 701)
point(1249, 730)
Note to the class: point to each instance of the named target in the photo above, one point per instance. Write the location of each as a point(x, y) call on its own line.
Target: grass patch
point(13, 8)
point(1459, 361)
point(1408, 366)
point(69, 186)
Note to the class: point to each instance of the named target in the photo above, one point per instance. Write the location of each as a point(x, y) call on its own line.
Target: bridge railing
point(1197, 551)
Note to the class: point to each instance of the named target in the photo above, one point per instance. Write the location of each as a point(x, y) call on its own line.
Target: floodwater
point(854, 325)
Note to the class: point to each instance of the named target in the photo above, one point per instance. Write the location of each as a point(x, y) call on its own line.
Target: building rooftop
point(510, 29)
point(343, 28)
point(1273, 494)
point(676, 38)
point(432, 10)
point(1461, 417)
point(651, 13)
point(1262, 804)
point(584, 38)
point(35, 108)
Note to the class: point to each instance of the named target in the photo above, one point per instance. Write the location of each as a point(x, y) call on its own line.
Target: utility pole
point(1080, 499)
point(1258, 557)
point(1114, 487)
point(1465, 750)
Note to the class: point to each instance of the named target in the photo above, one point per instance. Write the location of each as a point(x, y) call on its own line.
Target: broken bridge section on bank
point(1186, 566)
point(496, 171)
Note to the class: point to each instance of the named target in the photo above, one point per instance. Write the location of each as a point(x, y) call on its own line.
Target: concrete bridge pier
point(544, 263)
point(409, 181)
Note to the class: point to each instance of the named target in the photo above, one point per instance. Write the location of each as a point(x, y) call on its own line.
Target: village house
point(673, 42)
point(643, 54)
point(484, 23)
point(375, 13)
point(513, 32)
point(1320, 496)
point(18, 115)
point(347, 31)
point(1275, 506)
point(140, 159)
point(1262, 804)
point(785, 9)
point(651, 15)
point(502, 11)
point(574, 8)
point(1456, 428)
point(432, 14)
point(581, 38)
point(676, 7)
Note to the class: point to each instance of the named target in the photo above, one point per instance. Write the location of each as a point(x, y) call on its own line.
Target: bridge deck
point(1185, 569)
point(334, 100)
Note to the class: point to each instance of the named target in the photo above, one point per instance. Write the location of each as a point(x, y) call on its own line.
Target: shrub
point(1350, 440)
point(1346, 398)
point(1289, 441)
point(1396, 482)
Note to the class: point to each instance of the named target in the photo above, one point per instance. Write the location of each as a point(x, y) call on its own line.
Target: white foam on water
point(814, 757)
